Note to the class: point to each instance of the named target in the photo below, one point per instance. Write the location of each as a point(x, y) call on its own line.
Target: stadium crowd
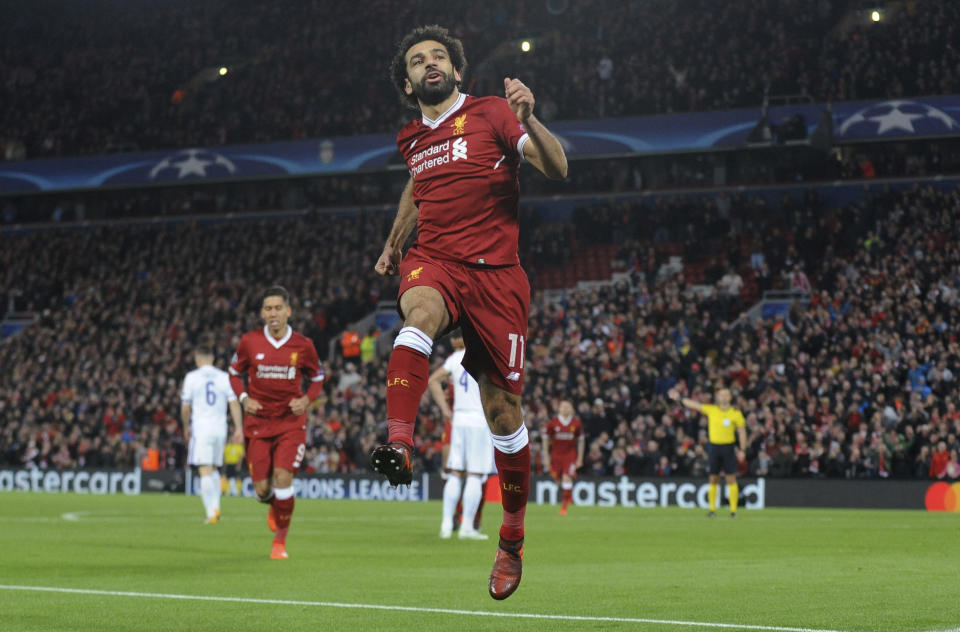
point(857, 382)
point(116, 77)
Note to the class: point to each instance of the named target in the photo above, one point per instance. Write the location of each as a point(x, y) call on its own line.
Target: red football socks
point(514, 470)
point(407, 375)
point(282, 513)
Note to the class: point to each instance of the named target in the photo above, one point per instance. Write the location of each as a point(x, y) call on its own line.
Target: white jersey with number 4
point(467, 408)
point(207, 390)
point(471, 449)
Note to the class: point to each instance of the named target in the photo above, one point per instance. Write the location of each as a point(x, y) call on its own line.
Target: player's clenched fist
point(389, 262)
point(251, 406)
point(519, 97)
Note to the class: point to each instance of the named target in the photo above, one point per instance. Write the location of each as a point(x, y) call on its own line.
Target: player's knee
point(426, 319)
point(262, 488)
point(282, 478)
point(423, 308)
point(503, 416)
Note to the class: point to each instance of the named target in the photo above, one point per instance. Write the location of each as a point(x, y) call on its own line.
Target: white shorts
point(471, 450)
point(206, 449)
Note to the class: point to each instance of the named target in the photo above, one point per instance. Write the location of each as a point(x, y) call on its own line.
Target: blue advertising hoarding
point(900, 119)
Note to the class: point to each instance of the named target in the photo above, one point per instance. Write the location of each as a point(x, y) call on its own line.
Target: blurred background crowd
point(115, 77)
point(853, 377)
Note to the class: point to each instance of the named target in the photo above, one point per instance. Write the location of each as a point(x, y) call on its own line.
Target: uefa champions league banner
point(624, 491)
point(853, 121)
point(340, 487)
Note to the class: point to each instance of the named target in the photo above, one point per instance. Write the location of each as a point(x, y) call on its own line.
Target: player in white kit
point(471, 450)
point(206, 397)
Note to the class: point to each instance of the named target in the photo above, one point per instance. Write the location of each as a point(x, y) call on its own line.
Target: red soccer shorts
point(284, 451)
point(563, 467)
point(447, 430)
point(490, 304)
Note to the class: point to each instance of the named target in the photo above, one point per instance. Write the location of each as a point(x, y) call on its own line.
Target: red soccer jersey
point(464, 167)
point(275, 371)
point(563, 438)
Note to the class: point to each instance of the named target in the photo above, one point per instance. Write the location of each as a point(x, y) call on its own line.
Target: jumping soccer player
point(463, 154)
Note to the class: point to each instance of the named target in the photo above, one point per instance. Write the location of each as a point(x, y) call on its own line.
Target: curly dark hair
point(398, 67)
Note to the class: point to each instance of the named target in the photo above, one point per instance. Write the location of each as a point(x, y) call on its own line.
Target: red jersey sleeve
point(507, 127)
point(238, 367)
point(313, 369)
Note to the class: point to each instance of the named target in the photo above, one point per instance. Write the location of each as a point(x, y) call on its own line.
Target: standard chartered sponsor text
point(417, 167)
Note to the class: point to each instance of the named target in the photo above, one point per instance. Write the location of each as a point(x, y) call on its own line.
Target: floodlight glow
point(223, 70)
point(875, 16)
point(525, 46)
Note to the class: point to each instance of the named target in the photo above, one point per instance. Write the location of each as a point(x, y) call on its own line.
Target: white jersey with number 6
point(207, 390)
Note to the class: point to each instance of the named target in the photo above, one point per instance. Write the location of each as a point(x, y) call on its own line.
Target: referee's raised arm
point(692, 404)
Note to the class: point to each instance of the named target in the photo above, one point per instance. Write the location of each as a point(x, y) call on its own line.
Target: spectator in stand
point(143, 90)
point(851, 345)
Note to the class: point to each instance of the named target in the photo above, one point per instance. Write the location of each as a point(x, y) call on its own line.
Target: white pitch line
point(367, 606)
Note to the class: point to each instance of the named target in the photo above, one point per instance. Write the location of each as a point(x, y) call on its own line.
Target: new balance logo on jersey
point(513, 376)
point(460, 149)
point(259, 356)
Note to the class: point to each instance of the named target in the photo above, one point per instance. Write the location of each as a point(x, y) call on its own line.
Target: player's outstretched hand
point(673, 394)
point(251, 406)
point(519, 97)
point(298, 405)
point(237, 437)
point(389, 262)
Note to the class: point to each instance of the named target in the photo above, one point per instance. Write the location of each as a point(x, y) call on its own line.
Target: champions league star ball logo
point(200, 163)
point(901, 116)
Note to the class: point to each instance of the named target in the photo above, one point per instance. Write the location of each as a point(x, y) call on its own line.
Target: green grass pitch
point(364, 565)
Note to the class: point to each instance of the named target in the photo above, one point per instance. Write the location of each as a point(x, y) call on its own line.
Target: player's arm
point(389, 262)
point(236, 414)
point(314, 371)
point(545, 449)
point(186, 410)
point(543, 150)
point(236, 370)
point(692, 404)
point(435, 384)
point(742, 436)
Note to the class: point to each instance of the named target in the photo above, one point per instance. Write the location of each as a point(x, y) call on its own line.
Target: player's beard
point(433, 94)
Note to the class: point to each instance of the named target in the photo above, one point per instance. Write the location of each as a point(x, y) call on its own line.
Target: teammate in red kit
point(463, 154)
point(275, 360)
point(563, 444)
